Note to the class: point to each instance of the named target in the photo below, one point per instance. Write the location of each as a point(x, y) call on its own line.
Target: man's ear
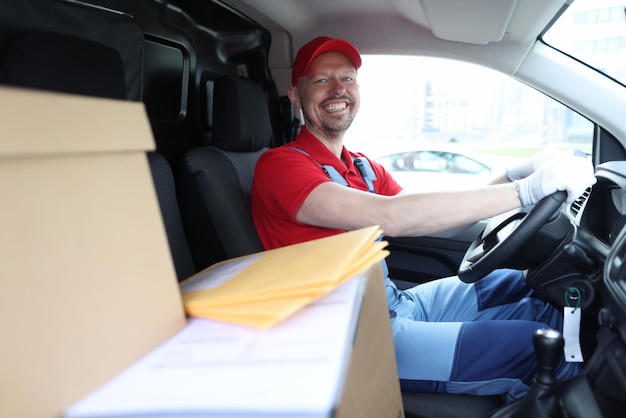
point(294, 98)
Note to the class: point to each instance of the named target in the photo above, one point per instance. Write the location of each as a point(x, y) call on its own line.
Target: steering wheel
point(504, 235)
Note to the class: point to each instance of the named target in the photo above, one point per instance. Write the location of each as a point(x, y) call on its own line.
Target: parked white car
point(432, 170)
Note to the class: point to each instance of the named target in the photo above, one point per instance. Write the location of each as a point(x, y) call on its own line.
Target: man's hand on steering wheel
point(569, 173)
point(551, 181)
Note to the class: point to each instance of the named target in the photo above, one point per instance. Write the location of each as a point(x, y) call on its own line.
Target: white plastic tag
point(571, 334)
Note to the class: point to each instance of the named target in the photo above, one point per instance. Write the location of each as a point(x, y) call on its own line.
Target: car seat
point(69, 64)
point(166, 193)
point(216, 179)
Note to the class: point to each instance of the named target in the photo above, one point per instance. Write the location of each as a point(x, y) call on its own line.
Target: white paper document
point(295, 369)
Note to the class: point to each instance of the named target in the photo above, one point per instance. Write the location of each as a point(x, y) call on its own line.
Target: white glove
point(570, 173)
point(528, 166)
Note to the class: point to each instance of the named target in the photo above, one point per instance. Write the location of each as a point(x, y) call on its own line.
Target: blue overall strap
point(334, 175)
point(365, 169)
point(362, 164)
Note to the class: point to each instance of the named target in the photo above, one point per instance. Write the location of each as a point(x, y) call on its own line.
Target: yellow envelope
point(262, 289)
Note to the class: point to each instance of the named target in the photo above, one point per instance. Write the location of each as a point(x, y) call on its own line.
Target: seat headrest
point(241, 119)
point(64, 63)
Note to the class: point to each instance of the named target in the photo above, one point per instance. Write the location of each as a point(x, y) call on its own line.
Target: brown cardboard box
point(372, 388)
point(87, 284)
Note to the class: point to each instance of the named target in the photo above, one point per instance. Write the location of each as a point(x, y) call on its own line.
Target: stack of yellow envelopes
point(262, 289)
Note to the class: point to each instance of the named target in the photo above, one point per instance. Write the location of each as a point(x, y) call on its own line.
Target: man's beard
point(330, 127)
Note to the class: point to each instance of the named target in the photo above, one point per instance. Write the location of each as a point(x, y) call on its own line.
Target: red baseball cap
point(318, 46)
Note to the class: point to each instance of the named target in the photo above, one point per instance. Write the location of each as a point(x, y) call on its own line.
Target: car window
point(594, 32)
point(441, 124)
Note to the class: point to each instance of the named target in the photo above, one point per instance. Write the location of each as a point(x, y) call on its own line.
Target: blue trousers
point(455, 337)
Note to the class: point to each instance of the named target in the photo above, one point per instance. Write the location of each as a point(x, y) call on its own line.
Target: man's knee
point(501, 287)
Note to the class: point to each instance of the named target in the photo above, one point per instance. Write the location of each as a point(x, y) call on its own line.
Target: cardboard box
point(87, 284)
point(372, 388)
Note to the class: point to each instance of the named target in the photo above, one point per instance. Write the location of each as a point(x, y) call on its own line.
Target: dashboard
point(600, 215)
point(599, 219)
point(607, 220)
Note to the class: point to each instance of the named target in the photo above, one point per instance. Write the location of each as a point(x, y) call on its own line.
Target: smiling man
point(449, 336)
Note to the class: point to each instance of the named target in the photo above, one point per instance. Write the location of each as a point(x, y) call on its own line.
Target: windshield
point(594, 32)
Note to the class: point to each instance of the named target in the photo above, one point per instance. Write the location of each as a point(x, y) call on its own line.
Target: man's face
point(328, 94)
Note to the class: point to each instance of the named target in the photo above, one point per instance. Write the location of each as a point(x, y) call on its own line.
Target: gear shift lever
point(549, 350)
point(541, 401)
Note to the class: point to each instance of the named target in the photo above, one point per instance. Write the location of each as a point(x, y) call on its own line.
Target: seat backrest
point(68, 64)
point(64, 63)
point(165, 187)
point(216, 180)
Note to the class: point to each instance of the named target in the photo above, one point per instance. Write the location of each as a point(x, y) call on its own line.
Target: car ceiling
point(495, 33)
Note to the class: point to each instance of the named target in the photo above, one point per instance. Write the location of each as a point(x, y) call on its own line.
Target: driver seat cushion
point(447, 405)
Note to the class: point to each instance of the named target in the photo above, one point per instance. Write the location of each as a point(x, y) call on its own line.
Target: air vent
point(578, 204)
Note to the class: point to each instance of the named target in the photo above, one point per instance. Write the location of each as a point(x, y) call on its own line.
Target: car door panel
point(416, 260)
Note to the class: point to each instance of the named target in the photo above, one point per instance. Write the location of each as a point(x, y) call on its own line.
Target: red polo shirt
point(284, 177)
